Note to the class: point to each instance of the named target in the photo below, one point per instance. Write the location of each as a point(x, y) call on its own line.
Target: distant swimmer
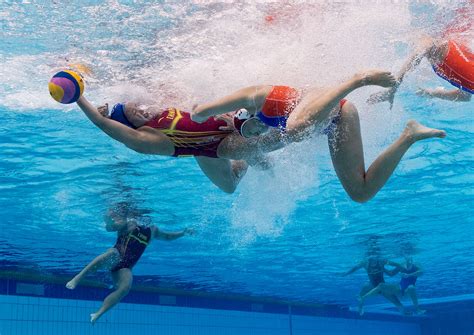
point(374, 265)
point(276, 115)
point(132, 240)
point(409, 273)
point(450, 59)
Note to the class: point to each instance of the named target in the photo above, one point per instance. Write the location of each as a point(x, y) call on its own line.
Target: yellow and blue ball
point(66, 86)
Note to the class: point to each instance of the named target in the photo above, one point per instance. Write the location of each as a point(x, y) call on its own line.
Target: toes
point(441, 134)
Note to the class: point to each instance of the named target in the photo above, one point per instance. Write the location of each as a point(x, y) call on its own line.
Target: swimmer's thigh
point(301, 120)
point(123, 279)
point(219, 171)
point(366, 289)
point(111, 258)
point(390, 290)
point(345, 146)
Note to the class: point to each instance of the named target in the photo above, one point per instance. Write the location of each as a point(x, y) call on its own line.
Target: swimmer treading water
point(132, 240)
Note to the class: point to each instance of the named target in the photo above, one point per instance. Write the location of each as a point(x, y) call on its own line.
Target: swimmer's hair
point(118, 114)
point(129, 211)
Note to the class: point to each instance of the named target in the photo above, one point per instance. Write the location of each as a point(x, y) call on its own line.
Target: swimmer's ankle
point(72, 284)
point(94, 317)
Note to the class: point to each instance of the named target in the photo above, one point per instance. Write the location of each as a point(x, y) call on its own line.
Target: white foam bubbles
point(268, 198)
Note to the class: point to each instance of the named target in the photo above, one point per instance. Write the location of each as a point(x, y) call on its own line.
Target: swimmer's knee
point(348, 107)
point(380, 287)
point(410, 288)
point(228, 188)
point(359, 197)
point(349, 111)
point(123, 291)
point(124, 288)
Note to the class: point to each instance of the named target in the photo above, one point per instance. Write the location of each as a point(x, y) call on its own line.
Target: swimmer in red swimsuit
point(448, 54)
point(450, 59)
point(132, 240)
point(293, 115)
point(223, 154)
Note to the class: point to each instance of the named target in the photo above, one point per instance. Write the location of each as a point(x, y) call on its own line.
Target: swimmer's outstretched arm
point(394, 264)
point(251, 98)
point(417, 273)
point(170, 236)
point(423, 50)
point(135, 140)
point(397, 268)
point(442, 93)
point(354, 269)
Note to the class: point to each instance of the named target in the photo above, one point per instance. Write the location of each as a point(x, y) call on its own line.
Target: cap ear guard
point(242, 131)
point(241, 117)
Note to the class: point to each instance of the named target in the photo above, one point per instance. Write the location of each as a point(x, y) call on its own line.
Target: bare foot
point(377, 77)
point(94, 317)
point(72, 284)
point(361, 306)
point(416, 131)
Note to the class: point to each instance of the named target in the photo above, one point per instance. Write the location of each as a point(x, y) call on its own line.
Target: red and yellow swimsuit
point(190, 138)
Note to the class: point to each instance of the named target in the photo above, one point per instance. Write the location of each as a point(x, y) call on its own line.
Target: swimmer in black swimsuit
point(132, 240)
point(375, 267)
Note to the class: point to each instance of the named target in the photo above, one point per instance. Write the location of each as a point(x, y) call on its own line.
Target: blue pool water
point(285, 234)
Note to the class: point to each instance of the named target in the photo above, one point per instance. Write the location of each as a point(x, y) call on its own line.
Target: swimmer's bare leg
point(108, 259)
point(316, 108)
point(388, 291)
point(411, 290)
point(394, 300)
point(224, 173)
point(364, 295)
point(363, 291)
point(427, 47)
point(345, 145)
point(123, 279)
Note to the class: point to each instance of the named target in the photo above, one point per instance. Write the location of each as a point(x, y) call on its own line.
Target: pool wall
point(28, 307)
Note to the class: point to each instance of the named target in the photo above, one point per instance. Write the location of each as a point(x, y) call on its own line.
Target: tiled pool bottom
point(28, 307)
